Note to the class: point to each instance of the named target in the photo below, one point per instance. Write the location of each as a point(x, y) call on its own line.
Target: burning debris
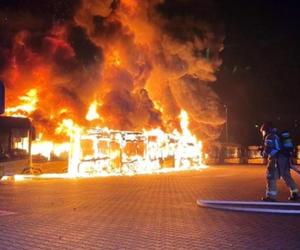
point(126, 65)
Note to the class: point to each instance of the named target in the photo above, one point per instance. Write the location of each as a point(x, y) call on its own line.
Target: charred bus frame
point(101, 151)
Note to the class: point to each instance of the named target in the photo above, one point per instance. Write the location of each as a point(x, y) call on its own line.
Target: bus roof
point(15, 122)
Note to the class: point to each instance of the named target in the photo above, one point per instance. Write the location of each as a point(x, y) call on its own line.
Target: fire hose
point(252, 206)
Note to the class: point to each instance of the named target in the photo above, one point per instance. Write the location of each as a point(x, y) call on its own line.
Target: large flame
point(92, 112)
point(27, 104)
point(126, 65)
point(102, 151)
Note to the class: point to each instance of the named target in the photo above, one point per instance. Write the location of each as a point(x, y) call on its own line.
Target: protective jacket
point(278, 165)
point(272, 145)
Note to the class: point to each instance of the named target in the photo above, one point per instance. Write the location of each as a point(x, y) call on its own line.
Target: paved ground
point(142, 212)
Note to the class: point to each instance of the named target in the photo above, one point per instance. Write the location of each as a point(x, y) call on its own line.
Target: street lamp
point(226, 125)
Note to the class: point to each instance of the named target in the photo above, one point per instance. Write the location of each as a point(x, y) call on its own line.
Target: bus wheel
point(33, 171)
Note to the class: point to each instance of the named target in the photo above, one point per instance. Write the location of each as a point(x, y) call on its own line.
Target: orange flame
point(92, 112)
point(117, 64)
point(134, 152)
point(28, 104)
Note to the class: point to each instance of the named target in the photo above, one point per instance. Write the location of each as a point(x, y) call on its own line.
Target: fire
point(116, 59)
point(126, 65)
point(158, 107)
point(128, 54)
point(28, 104)
point(67, 126)
point(48, 148)
point(184, 123)
point(99, 152)
point(92, 112)
point(43, 148)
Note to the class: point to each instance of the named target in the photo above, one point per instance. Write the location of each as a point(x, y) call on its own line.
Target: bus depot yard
point(143, 212)
point(147, 200)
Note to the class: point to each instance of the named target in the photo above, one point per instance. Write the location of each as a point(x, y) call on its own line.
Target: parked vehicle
point(16, 135)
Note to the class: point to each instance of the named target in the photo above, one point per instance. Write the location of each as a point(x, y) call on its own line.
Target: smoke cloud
point(142, 61)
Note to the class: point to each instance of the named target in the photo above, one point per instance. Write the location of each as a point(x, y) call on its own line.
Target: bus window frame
point(10, 147)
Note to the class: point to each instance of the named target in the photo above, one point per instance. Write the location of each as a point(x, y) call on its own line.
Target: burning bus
point(104, 151)
point(107, 151)
point(16, 135)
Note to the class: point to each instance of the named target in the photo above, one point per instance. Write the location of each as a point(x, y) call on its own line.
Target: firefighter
point(278, 165)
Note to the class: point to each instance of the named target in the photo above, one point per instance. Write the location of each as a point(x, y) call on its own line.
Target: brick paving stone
point(143, 212)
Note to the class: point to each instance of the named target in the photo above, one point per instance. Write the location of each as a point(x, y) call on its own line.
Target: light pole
point(226, 125)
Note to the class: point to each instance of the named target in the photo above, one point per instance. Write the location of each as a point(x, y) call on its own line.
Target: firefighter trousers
point(279, 168)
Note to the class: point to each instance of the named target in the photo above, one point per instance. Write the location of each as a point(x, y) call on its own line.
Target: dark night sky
point(259, 79)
